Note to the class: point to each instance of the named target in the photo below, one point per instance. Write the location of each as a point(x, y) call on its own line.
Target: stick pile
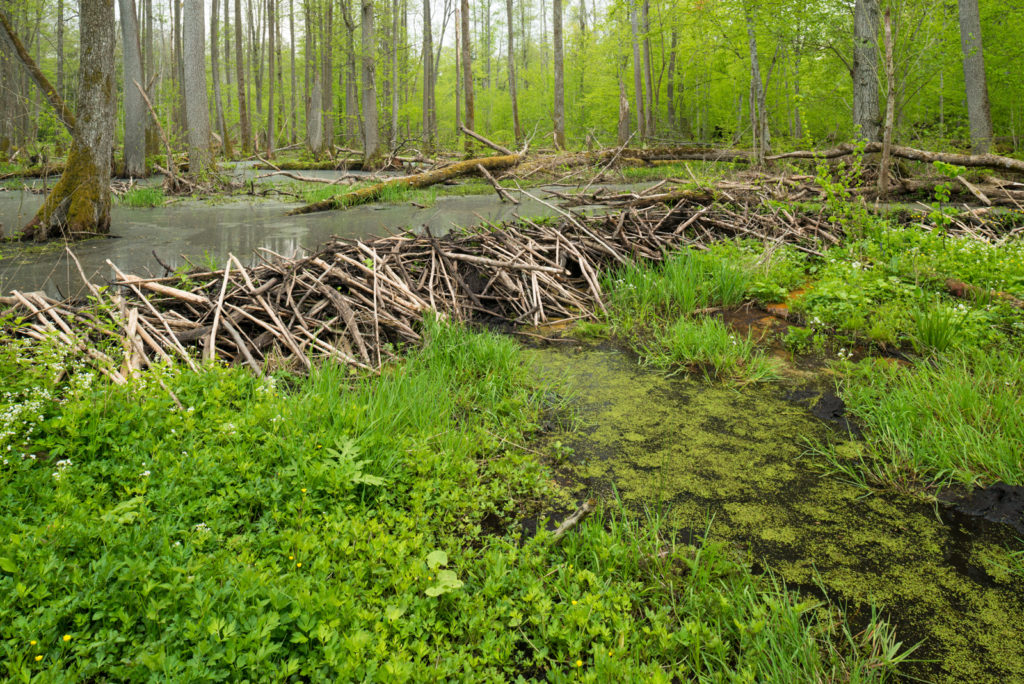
point(361, 301)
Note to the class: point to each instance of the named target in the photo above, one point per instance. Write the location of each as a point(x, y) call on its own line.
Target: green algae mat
point(737, 456)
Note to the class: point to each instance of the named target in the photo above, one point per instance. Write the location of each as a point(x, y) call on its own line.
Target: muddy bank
point(696, 450)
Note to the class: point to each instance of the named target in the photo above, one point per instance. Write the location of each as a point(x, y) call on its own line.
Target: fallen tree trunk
point(988, 161)
point(420, 180)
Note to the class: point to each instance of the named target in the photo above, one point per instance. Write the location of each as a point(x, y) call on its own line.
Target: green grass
point(956, 419)
point(335, 527)
point(708, 345)
point(142, 197)
point(660, 307)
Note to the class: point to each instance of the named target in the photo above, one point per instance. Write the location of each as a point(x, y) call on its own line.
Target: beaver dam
point(358, 301)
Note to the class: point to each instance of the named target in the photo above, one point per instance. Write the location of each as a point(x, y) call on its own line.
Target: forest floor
point(789, 451)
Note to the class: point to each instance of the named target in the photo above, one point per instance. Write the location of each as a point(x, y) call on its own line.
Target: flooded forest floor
point(806, 457)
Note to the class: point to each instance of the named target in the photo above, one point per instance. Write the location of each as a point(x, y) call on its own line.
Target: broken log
point(420, 180)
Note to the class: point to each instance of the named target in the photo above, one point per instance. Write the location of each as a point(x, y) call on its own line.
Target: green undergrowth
point(956, 418)
point(142, 198)
point(343, 527)
point(667, 309)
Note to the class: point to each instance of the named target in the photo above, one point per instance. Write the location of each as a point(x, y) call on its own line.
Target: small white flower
point(145, 473)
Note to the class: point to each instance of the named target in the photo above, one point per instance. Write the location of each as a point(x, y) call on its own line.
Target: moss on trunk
point(78, 206)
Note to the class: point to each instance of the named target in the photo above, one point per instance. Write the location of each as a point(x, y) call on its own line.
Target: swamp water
point(695, 450)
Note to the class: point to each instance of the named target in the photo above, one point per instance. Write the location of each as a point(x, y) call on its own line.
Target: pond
point(206, 232)
point(737, 457)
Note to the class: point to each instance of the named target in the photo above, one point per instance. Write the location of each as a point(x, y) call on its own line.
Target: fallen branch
point(420, 180)
point(573, 520)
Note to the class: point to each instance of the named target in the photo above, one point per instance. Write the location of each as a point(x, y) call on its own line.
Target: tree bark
point(243, 104)
point(623, 114)
point(645, 24)
point(638, 81)
point(395, 27)
point(516, 130)
point(469, 119)
point(79, 205)
point(218, 101)
point(134, 107)
point(975, 83)
point(428, 79)
point(60, 48)
point(890, 107)
point(271, 74)
point(559, 105)
point(670, 86)
point(327, 80)
point(865, 69)
point(197, 108)
point(371, 142)
point(291, 41)
point(758, 116)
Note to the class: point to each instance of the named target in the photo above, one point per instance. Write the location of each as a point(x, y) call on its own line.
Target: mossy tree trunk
point(79, 205)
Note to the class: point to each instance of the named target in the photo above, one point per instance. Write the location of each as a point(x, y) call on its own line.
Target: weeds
point(332, 527)
point(708, 345)
point(958, 419)
point(141, 198)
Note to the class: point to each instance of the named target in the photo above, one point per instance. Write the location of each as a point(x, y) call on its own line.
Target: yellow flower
point(291, 557)
point(67, 637)
point(611, 653)
point(32, 643)
point(574, 603)
point(303, 490)
point(579, 663)
point(430, 577)
point(38, 658)
point(298, 565)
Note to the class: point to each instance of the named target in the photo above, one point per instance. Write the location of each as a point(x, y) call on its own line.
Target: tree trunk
point(648, 71)
point(243, 104)
point(865, 69)
point(467, 73)
point(638, 81)
point(371, 143)
point(197, 108)
point(218, 101)
point(179, 70)
point(758, 115)
point(428, 79)
point(60, 48)
point(271, 74)
point(79, 205)
point(314, 118)
point(135, 114)
point(670, 86)
point(975, 83)
point(395, 26)
point(149, 73)
point(516, 130)
point(291, 41)
point(890, 107)
point(559, 107)
point(327, 79)
point(623, 114)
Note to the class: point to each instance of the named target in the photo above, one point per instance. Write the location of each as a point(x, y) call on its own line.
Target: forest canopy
point(314, 72)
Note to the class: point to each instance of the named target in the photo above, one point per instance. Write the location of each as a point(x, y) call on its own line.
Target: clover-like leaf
point(447, 581)
point(436, 559)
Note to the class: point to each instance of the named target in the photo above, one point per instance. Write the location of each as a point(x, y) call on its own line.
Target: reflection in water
point(205, 233)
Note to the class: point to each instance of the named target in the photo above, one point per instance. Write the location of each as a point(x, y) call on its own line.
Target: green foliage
point(140, 198)
point(708, 345)
point(958, 419)
point(890, 287)
point(333, 528)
